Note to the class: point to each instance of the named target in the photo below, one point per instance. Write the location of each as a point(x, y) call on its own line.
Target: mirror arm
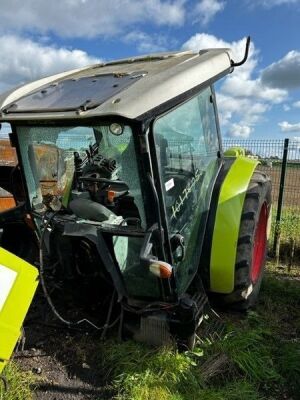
point(159, 229)
point(145, 255)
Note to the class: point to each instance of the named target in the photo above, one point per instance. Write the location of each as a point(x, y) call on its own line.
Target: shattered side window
point(48, 154)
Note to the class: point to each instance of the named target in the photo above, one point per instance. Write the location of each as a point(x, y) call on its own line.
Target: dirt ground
point(64, 360)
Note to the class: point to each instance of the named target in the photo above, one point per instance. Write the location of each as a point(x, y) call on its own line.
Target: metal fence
point(280, 159)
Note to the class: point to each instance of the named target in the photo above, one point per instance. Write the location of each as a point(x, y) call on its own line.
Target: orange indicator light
point(161, 269)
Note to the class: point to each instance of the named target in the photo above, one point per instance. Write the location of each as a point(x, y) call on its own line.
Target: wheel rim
point(260, 243)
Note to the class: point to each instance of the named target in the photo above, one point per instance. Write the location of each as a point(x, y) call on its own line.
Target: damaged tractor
point(125, 200)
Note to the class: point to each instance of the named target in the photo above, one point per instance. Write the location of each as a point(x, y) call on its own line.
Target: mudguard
point(227, 224)
point(18, 282)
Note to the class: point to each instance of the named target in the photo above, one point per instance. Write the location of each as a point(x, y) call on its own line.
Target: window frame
point(92, 122)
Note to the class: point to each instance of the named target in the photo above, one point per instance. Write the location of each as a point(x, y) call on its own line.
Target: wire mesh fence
point(280, 159)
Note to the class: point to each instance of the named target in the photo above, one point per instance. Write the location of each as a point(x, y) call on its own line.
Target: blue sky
point(259, 100)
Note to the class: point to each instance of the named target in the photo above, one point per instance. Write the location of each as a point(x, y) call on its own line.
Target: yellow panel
point(18, 282)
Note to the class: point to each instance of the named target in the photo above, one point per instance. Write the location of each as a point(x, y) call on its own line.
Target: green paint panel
point(18, 282)
point(235, 152)
point(227, 224)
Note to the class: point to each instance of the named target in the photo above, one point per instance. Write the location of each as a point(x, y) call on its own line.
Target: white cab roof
point(127, 88)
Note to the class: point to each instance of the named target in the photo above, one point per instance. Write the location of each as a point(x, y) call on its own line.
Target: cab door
point(187, 149)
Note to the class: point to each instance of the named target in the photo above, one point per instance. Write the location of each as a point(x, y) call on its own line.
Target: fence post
point(280, 199)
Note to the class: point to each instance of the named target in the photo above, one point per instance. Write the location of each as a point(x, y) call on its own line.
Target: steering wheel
point(123, 192)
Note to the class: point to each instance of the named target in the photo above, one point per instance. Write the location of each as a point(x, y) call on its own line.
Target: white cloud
point(205, 41)
point(273, 3)
point(239, 131)
point(294, 145)
point(24, 60)
point(284, 73)
point(245, 109)
point(149, 43)
point(286, 107)
point(205, 10)
point(253, 88)
point(287, 127)
point(92, 18)
point(296, 104)
point(242, 98)
point(269, 4)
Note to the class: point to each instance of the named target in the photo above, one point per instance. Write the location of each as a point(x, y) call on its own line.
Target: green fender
point(227, 224)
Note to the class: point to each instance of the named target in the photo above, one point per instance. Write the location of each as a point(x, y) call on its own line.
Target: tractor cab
point(93, 175)
point(121, 165)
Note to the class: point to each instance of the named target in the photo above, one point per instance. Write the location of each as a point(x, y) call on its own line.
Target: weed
point(142, 373)
point(288, 229)
point(249, 354)
point(139, 372)
point(290, 223)
point(289, 364)
point(19, 383)
point(236, 390)
point(282, 291)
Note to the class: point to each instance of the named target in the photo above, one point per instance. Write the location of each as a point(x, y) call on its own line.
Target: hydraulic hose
point(49, 300)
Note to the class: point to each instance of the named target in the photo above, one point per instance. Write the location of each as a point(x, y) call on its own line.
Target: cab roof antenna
point(238, 64)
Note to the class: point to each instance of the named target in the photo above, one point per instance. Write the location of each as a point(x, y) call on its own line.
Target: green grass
point(258, 358)
point(20, 383)
point(289, 234)
point(140, 373)
point(281, 289)
point(289, 222)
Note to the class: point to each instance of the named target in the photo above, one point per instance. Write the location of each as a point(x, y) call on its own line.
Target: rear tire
point(252, 244)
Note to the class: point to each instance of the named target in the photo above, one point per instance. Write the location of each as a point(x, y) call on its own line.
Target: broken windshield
point(90, 170)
